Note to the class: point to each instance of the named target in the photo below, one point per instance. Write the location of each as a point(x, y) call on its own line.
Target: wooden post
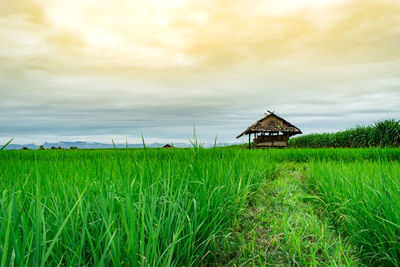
point(249, 140)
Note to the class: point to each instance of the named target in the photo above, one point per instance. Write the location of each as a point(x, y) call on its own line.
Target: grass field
point(198, 206)
point(364, 200)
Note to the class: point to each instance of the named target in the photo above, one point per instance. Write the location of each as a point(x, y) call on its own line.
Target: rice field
point(123, 207)
point(179, 207)
point(363, 199)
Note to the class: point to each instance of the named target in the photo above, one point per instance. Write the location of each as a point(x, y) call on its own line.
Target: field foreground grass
point(363, 199)
point(123, 207)
point(281, 227)
point(180, 207)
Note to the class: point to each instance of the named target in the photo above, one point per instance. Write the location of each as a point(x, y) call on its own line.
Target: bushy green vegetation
point(364, 200)
point(381, 134)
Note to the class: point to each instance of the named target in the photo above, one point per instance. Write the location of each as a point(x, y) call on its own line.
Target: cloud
point(358, 32)
point(29, 10)
point(201, 36)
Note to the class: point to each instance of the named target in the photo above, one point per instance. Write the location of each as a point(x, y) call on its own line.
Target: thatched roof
point(271, 123)
point(168, 146)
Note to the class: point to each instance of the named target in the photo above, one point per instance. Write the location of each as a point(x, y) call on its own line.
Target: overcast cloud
point(90, 70)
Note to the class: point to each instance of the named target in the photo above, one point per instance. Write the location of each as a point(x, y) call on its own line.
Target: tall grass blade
point(60, 230)
point(7, 237)
point(3, 147)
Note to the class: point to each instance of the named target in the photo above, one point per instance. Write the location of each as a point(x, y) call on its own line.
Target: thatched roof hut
point(168, 146)
point(271, 131)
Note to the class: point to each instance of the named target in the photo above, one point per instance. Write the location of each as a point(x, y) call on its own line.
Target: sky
point(93, 70)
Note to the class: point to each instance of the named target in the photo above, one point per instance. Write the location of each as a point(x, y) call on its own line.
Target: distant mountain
point(95, 145)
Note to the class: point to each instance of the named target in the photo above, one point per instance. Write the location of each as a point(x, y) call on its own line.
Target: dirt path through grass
point(282, 226)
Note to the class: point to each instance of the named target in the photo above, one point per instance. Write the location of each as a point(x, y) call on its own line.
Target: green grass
point(281, 227)
point(121, 207)
point(186, 206)
point(363, 199)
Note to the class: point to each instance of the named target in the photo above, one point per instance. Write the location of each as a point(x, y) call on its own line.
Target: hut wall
point(271, 140)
